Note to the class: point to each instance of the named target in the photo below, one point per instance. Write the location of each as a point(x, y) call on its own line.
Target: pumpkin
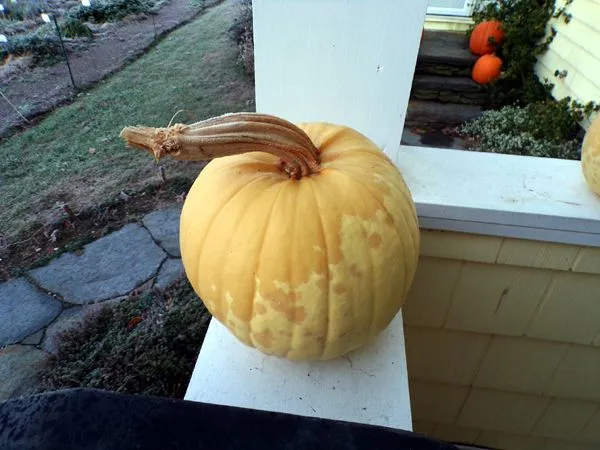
point(486, 69)
point(302, 240)
point(479, 42)
point(590, 155)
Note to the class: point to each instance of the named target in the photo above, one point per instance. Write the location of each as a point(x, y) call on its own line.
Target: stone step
point(445, 53)
point(439, 115)
point(447, 89)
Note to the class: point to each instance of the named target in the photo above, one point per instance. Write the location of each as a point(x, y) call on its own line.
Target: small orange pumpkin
point(482, 33)
point(486, 69)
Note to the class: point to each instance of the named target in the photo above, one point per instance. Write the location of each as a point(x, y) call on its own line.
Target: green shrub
point(143, 345)
point(101, 11)
point(242, 32)
point(42, 44)
point(11, 27)
point(75, 28)
point(524, 23)
point(22, 9)
point(547, 129)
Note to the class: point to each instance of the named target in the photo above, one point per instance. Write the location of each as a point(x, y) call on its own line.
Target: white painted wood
point(369, 386)
point(345, 62)
point(458, 24)
point(504, 195)
point(460, 8)
point(586, 63)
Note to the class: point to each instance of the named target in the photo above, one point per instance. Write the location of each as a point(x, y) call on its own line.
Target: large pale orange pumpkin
point(590, 156)
point(301, 239)
point(480, 43)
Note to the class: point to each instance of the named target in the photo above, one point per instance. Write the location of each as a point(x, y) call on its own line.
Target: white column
point(349, 62)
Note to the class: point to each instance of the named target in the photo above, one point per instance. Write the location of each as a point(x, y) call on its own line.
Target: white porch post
point(349, 62)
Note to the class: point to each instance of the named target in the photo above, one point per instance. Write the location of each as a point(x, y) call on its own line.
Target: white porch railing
point(524, 197)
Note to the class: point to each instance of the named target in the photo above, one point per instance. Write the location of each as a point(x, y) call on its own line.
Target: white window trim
point(466, 11)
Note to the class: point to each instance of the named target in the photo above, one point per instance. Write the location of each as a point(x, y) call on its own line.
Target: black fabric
point(99, 420)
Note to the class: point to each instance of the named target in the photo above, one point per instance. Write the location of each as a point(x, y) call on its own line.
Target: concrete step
point(439, 115)
point(447, 89)
point(445, 53)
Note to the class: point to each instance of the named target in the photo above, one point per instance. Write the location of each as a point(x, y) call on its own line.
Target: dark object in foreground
point(94, 419)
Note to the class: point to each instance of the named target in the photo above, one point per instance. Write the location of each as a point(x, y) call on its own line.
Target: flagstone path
point(47, 300)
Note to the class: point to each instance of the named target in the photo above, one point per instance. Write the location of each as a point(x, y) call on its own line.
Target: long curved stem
point(230, 134)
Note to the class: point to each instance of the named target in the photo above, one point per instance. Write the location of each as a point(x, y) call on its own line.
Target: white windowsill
point(503, 195)
point(441, 22)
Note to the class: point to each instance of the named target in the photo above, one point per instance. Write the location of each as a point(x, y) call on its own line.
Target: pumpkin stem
point(230, 134)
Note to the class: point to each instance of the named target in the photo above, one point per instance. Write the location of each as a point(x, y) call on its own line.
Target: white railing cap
point(497, 194)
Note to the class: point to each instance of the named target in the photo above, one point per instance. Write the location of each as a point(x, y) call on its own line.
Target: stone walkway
point(35, 308)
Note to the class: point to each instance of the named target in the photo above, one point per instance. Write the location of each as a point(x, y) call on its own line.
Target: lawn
point(75, 155)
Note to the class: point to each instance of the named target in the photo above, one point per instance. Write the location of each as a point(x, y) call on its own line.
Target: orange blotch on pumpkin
point(263, 338)
point(322, 284)
point(299, 315)
point(339, 289)
point(284, 303)
point(259, 308)
point(375, 240)
point(241, 310)
point(354, 270)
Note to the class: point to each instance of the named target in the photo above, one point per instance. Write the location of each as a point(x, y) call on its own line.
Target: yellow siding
point(433, 298)
point(503, 342)
point(493, 439)
point(436, 402)
point(591, 432)
point(571, 299)
point(575, 48)
point(423, 427)
point(532, 365)
point(564, 419)
point(588, 260)
point(496, 298)
point(442, 244)
point(490, 409)
point(444, 355)
point(453, 433)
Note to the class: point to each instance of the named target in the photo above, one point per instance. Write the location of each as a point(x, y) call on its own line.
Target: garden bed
point(37, 81)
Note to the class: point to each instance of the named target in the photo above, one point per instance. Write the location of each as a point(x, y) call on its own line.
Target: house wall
point(503, 342)
point(575, 48)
